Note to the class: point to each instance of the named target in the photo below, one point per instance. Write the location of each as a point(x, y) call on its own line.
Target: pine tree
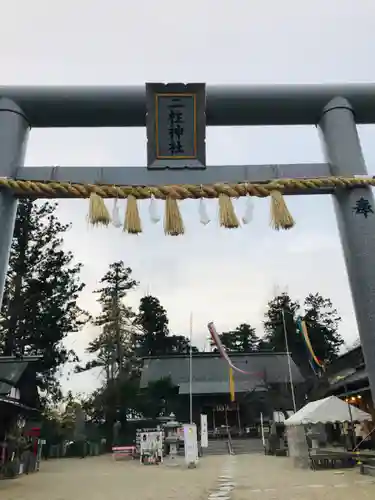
point(322, 321)
point(242, 339)
point(115, 344)
point(283, 311)
point(42, 288)
point(153, 322)
point(155, 338)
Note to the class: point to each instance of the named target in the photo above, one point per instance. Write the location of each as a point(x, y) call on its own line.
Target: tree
point(115, 344)
point(153, 322)
point(322, 321)
point(113, 401)
point(179, 344)
point(159, 398)
point(42, 288)
point(283, 311)
point(155, 338)
point(242, 339)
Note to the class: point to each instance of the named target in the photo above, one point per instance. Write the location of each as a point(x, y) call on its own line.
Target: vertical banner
point(262, 430)
point(191, 444)
point(204, 431)
point(231, 385)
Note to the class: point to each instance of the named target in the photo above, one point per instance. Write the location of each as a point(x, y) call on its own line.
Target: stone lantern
point(172, 437)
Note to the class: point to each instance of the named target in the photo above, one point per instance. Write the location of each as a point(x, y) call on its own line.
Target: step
point(244, 446)
point(207, 452)
point(367, 470)
point(216, 447)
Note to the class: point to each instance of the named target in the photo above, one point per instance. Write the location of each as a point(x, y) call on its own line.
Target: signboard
point(191, 444)
point(151, 444)
point(225, 408)
point(278, 417)
point(176, 125)
point(204, 431)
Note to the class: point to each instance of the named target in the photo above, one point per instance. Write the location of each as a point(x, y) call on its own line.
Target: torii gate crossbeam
point(335, 109)
point(226, 105)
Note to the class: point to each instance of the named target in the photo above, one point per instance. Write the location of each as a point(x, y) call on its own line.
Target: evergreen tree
point(114, 347)
point(179, 344)
point(153, 322)
point(283, 311)
point(159, 398)
point(155, 338)
point(322, 322)
point(242, 339)
point(115, 344)
point(42, 287)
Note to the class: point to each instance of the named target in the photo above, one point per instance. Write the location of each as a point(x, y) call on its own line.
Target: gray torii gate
point(335, 109)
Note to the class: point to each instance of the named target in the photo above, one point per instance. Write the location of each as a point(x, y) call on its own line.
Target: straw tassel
point(98, 212)
point(227, 215)
point(173, 223)
point(132, 222)
point(281, 218)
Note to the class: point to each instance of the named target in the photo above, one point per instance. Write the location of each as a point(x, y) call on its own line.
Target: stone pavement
point(242, 477)
point(259, 477)
point(101, 478)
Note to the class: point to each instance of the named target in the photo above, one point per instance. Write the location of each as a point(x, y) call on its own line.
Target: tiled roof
point(210, 372)
point(351, 378)
point(10, 373)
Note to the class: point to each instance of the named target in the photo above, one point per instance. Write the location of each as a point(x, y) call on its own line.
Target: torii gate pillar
point(357, 231)
point(14, 129)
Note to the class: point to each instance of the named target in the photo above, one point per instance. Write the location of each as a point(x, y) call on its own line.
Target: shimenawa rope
point(173, 223)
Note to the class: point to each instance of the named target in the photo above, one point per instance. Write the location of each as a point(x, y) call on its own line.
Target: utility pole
point(289, 361)
point(191, 370)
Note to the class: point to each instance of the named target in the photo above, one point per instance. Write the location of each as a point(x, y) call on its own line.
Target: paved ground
point(243, 477)
point(100, 478)
point(265, 478)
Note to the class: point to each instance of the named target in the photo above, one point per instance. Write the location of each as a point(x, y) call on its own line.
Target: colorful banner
point(231, 385)
point(303, 330)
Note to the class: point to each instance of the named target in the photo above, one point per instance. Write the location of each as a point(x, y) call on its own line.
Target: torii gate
point(335, 109)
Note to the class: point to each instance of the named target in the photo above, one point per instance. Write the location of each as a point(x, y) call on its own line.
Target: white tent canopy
point(327, 410)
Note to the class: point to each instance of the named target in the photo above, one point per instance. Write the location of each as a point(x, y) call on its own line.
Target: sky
point(221, 275)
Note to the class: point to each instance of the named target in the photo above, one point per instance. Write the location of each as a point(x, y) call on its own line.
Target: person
point(358, 434)
point(365, 437)
point(28, 455)
point(116, 433)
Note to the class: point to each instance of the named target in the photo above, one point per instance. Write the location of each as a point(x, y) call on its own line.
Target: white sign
point(191, 444)
point(204, 431)
point(278, 417)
